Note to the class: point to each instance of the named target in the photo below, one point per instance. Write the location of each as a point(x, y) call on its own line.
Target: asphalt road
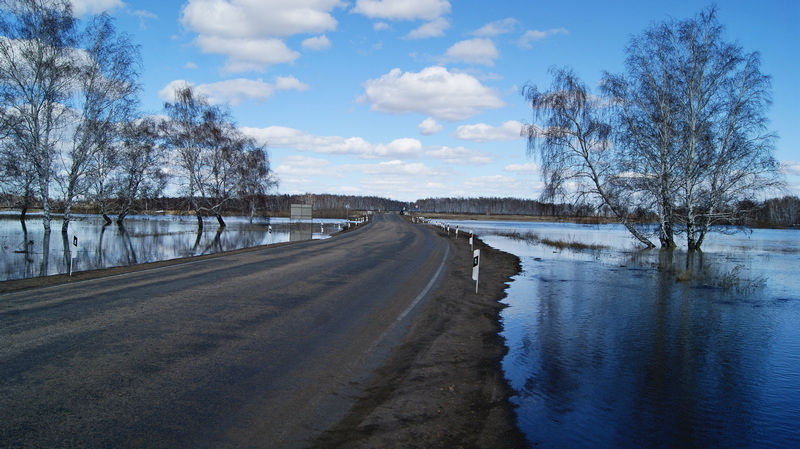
point(260, 349)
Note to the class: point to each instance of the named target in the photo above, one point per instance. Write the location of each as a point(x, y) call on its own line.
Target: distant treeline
point(501, 206)
point(776, 212)
point(324, 205)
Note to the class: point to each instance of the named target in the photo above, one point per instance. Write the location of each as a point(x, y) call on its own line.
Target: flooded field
point(614, 347)
point(29, 252)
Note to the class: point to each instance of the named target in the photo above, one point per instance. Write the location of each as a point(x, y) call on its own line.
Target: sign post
point(476, 266)
point(74, 253)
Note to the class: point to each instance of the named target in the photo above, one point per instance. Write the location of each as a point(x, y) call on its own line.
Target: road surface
point(260, 349)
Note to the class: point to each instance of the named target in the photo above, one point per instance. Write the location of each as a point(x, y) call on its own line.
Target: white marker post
point(476, 266)
point(74, 253)
point(470, 241)
point(456, 232)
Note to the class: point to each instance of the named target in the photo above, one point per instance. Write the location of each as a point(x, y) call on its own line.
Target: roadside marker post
point(470, 241)
point(476, 266)
point(74, 253)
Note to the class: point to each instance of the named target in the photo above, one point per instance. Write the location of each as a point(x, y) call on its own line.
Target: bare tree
point(574, 147)
point(692, 109)
point(213, 156)
point(646, 107)
point(255, 178)
point(225, 158)
point(106, 97)
point(37, 38)
point(17, 177)
point(139, 162)
point(184, 135)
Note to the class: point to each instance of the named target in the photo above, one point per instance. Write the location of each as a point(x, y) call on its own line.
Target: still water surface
point(29, 252)
point(608, 349)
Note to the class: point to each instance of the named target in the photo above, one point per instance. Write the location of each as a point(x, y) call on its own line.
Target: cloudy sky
point(410, 99)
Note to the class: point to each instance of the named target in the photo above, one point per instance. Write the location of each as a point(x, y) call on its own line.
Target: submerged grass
point(559, 244)
point(682, 270)
point(729, 279)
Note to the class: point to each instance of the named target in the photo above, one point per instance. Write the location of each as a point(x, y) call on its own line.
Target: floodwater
point(608, 348)
point(29, 252)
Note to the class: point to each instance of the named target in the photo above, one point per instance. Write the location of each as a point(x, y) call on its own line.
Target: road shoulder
point(443, 386)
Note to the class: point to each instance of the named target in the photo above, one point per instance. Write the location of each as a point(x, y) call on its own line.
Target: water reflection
point(623, 348)
point(27, 251)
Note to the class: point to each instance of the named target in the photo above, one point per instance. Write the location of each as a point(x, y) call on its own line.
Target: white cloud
point(289, 83)
point(293, 166)
point(401, 168)
point(496, 185)
point(405, 181)
point(791, 167)
point(497, 27)
point(475, 51)
point(429, 127)
point(434, 92)
point(167, 93)
point(259, 18)
point(251, 32)
point(247, 54)
point(459, 156)
point(234, 91)
point(143, 14)
point(402, 9)
point(81, 7)
point(481, 132)
point(380, 26)
point(190, 65)
point(534, 35)
point(317, 43)
point(283, 137)
point(523, 169)
point(434, 28)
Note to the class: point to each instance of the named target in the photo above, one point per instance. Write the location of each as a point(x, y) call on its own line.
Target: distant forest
point(777, 212)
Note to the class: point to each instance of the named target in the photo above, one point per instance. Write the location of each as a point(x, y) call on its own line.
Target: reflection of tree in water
point(636, 358)
point(45, 253)
point(67, 249)
point(139, 240)
point(127, 244)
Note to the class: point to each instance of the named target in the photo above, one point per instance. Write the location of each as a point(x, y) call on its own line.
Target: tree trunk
point(45, 209)
point(65, 224)
point(22, 214)
point(45, 252)
point(199, 220)
point(220, 220)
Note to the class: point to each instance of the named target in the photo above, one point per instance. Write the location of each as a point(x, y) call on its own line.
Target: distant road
point(259, 349)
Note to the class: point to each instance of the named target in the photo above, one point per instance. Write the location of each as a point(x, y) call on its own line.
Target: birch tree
point(106, 89)
point(215, 160)
point(573, 144)
point(139, 162)
point(692, 109)
point(256, 178)
point(37, 38)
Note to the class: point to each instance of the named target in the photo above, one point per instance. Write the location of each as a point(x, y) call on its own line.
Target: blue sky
point(410, 99)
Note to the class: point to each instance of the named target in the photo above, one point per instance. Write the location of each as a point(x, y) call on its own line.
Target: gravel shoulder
point(443, 387)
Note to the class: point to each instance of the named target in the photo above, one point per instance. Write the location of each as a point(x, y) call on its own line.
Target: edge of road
point(443, 386)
